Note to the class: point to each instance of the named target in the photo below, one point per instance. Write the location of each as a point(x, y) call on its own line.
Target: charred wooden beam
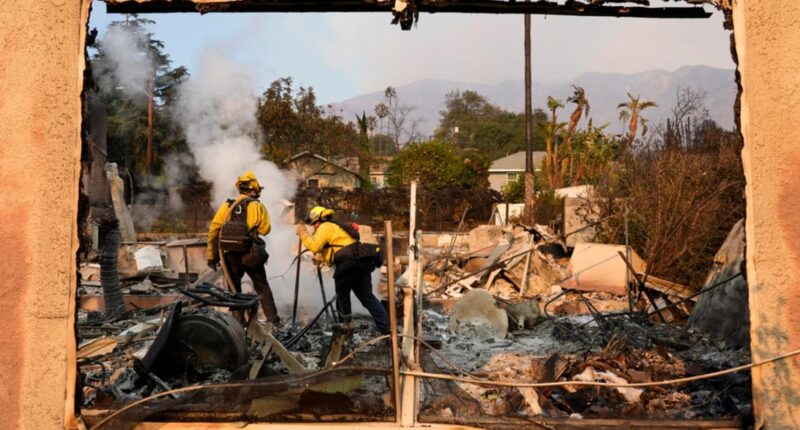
point(542, 7)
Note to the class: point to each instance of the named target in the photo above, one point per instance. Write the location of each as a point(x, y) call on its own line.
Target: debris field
point(501, 306)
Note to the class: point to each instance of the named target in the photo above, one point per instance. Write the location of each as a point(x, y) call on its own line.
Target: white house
point(509, 168)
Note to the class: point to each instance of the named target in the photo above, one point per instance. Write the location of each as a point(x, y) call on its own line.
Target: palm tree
point(552, 129)
point(581, 109)
point(632, 109)
point(364, 148)
point(594, 155)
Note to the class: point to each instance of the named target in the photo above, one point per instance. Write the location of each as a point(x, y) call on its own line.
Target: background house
point(378, 168)
point(507, 169)
point(318, 171)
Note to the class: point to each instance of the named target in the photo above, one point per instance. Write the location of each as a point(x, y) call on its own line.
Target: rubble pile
point(512, 305)
point(572, 350)
point(187, 330)
point(565, 323)
point(515, 264)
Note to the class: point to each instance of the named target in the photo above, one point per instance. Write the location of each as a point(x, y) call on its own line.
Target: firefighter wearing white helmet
point(334, 242)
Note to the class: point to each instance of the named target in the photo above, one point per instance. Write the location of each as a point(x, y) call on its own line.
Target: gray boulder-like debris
point(477, 313)
point(723, 312)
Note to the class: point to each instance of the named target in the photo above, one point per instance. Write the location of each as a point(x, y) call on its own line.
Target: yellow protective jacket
point(326, 241)
point(257, 221)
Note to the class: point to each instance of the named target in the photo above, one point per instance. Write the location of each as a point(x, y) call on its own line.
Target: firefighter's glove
point(318, 259)
point(213, 264)
point(301, 230)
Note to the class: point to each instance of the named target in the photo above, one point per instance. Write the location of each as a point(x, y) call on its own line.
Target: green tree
point(292, 122)
point(463, 115)
point(364, 149)
point(437, 165)
point(127, 108)
point(552, 130)
point(594, 150)
point(470, 121)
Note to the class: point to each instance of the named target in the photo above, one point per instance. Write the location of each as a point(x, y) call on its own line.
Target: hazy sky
point(343, 55)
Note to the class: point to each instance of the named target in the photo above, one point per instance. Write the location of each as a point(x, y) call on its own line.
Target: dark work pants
point(259, 276)
point(356, 278)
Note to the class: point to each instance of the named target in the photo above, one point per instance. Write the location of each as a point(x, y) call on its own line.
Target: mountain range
point(604, 91)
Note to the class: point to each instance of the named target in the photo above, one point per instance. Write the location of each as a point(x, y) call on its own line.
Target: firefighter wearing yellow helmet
point(234, 240)
point(333, 242)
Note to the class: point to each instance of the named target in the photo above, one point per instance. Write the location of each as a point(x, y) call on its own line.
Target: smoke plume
point(217, 110)
point(163, 191)
point(127, 66)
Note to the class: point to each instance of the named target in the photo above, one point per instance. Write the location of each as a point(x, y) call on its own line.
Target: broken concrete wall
point(767, 36)
point(599, 267)
point(574, 215)
point(41, 76)
point(483, 237)
point(722, 312)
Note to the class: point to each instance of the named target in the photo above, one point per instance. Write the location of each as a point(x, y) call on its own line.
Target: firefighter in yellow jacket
point(330, 242)
point(245, 253)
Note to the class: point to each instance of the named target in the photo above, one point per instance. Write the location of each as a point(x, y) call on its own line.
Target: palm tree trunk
point(632, 129)
point(554, 150)
point(548, 160)
point(573, 125)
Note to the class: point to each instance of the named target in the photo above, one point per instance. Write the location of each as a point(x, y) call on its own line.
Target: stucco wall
point(498, 180)
point(767, 40)
point(41, 66)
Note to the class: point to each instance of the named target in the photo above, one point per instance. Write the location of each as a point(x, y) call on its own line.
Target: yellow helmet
point(318, 213)
point(248, 181)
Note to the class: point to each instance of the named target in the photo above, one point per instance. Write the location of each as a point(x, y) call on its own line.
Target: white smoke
point(162, 199)
point(217, 110)
point(128, 66)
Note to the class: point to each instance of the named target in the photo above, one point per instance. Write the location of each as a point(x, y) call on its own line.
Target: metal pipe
point(109, 274)
point(322, 290)
point(297, 280)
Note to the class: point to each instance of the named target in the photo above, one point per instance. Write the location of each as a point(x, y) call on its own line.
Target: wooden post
point(408, 383)
point(392, 318)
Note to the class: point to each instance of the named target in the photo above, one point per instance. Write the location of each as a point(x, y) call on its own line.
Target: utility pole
point(530, 199)
point(149, 156)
